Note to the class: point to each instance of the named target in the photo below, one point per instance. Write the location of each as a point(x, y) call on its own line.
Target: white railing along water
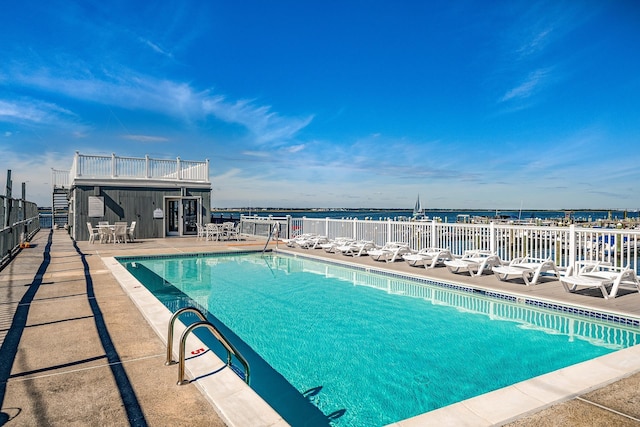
point(563, 244)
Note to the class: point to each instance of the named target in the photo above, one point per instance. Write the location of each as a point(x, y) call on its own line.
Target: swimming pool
point(326, 337)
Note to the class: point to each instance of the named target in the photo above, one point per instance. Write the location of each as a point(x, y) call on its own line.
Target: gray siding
point(131, 204)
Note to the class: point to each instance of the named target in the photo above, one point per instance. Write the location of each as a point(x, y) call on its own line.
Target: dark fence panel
point(19, 221)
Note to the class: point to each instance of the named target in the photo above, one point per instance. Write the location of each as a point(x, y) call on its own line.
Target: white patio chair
point(213, 232)
point(120, 232)
point(233, 232)
point(93, 233)
point(105, 233)
point(131, 231)
point(202, 232)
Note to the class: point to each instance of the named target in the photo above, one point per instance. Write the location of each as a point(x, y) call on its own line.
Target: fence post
point(76, 165)
point(492, 237)
point(114, 172)
point(434, 234)
point(572, 246)
point(288, 227)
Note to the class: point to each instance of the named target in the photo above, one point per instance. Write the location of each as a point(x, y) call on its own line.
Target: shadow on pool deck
point(76, 351)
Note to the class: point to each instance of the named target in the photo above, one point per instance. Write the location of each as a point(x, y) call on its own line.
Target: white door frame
point(179, 228)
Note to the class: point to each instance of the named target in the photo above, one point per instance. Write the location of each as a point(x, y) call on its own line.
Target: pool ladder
point(203, 323)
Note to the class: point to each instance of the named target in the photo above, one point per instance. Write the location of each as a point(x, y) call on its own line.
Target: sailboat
point(418, 211)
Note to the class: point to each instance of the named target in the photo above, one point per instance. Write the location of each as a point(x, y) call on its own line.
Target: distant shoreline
point(258, 209)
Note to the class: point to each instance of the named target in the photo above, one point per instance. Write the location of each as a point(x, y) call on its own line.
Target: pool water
point(330, 345)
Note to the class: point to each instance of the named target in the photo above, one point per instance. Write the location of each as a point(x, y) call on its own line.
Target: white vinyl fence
point(563, 244)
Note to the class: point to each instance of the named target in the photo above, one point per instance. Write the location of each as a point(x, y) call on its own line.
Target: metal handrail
point(183, 339)
point(173, 319)
point(230, 350)
point(274, 230)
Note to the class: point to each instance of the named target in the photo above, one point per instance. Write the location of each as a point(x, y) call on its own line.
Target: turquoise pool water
point(330, 345)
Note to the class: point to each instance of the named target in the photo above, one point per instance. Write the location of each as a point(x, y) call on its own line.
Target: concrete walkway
point(75, 351)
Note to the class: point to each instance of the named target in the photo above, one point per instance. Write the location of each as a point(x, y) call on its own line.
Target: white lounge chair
point(293, 241)
point(333, 245)
point(476, 263)
point(600, 276)
point(312, 242)
point(530, 269)
point(356, 249)
point(390, 252)
point(428, 257)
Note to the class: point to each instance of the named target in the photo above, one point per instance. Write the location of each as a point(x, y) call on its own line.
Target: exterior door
point(173, 217)
point(181, 216)
point(189, 216)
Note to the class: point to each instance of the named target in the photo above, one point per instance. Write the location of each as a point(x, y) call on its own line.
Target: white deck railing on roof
point(60, 178)
point(115, 167)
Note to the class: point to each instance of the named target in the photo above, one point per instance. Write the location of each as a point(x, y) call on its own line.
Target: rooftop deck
point(91, 168)
point(77, 351)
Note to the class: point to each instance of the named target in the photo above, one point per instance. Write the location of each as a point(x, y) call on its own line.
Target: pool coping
point(239, 405)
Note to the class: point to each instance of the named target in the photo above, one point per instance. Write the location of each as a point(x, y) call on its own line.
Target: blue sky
point(470, 104)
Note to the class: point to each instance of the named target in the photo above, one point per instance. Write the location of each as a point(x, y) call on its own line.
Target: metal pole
point(25, 231)
point(8, 202)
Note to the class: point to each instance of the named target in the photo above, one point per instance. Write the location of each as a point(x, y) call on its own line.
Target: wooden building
point(164, 197)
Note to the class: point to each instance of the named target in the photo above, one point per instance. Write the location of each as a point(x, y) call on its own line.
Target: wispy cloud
point(33, 111)
point(535, 42)
point(267, 126)
point(145, 138)
point(532, 84)
point(130, 90)
point(155, 47)
point(296, 148)
point(525, 62)
point(255, 153)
